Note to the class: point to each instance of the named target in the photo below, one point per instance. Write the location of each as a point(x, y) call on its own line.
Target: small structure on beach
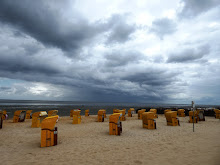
point(115, 125)
point(28, 114)
point(19, 116)
point(201, 114)
point(193, 117)
point(171, 117)
point(130, 112)
point(87, 112)
point(101, 115)
point(181, 112)
point(140, 113)
point(4, 115)
point(148, 120)
point(37, 118)
point(76, 116)
point(49, 131)
point(52, 113)
point(217, 113)
point(1, 119)
point(155, 112)
point(166, 110)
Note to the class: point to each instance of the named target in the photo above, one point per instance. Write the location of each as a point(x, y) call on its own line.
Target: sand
point(89, 143)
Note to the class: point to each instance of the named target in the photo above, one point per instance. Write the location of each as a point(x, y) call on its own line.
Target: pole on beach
point(193, 106)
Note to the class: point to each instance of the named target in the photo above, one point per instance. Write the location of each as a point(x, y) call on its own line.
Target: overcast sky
point(101, 50)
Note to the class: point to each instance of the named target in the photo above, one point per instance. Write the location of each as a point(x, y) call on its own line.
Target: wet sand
point(89, 143)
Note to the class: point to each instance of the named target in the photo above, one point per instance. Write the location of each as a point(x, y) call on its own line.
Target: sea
point(64, 107)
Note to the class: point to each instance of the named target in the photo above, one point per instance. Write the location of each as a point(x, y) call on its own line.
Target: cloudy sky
point(124, 51)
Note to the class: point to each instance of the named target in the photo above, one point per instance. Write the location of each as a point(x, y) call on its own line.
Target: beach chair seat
point(71, 112)
point(1, 119)
point(76, 116)
point(140, 113)
point(52, 113)
point(155, 112)
point(130, 112)
point(171, 117)
point(201, 115)
point(19, 116)
point(148, 120)
point(49, 131)
point(101, 115)
point(181, 112)
point(28, 114)
point(115, 125)
point(87, 112)
point(37, 118)
point(193, 118)
point(217, 113)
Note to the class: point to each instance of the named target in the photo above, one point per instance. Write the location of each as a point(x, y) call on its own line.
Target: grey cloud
point(196, 7)
point(44, 21)
point(121, 58)
point(189, 55)
point(120, 31)
point(162, 27)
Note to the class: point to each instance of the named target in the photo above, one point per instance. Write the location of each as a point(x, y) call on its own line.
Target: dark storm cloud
point(196, 7)
point(162, 27)
point(44, 21)
point(120, 31)
point(152, 77)
point(189, 55)
point(121, 58)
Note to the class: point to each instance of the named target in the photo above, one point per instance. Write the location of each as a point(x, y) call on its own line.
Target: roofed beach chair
point(140, 113)
point(1, 119)
point(37, 118)
point(130, 112)
point(217, 113)
point(52, 113)
point(155, 112)
point(19, 116)
point(4, 115)
point(181, 112)
point(28, 114)
point(71, 112)
point(49, 131)
point(148, 120)
point(87, 112)
point(101, 115)
point(115, 126)
point(193, 117)
point(166, 110)
point(200, 114)
point(171, 117)
point(123, 117)
point(76, 116)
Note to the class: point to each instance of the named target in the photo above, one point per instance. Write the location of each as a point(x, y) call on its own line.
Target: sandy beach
point(90, 143)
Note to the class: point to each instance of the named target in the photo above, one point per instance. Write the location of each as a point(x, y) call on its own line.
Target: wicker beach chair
point(1, 119)
point(28, 114)
point(130, 112)
point(171, 117)
point(140, 113)
point(155, 112)
point(115, 125)
point(52, 113)
point(148, 120)
point(193, 117)
point(76, 116)
point(19, 116)
point(201, 115)
point(49, 131)
point(101, 115)
point(181, 112)
point(217, 113)
point(87, 112)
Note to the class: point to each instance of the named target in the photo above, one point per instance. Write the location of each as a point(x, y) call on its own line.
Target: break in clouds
point(142, 51)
